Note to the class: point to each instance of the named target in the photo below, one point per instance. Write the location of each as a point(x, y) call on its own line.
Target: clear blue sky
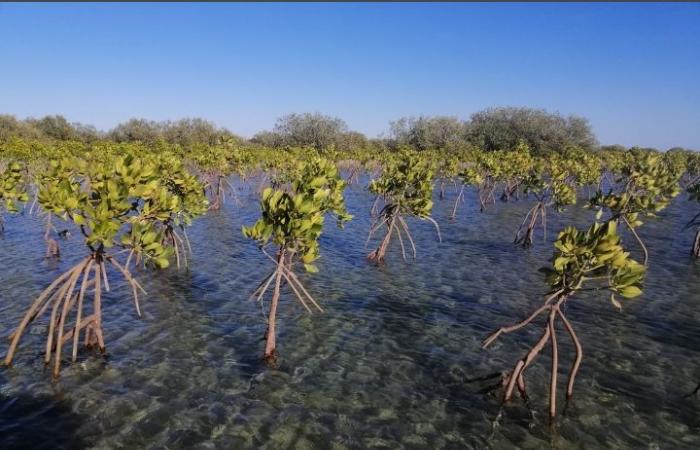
point(632, 69)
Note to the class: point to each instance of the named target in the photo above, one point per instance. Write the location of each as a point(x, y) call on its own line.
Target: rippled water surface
point(389, 363)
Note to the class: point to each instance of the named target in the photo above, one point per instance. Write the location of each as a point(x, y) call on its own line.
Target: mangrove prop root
point(53, 250)
point(270, 343)
point(579, 355)
point(525, 235)
point(377, 256)
point(639, 240)
point(64, 297)
point(508, 190)
point(552, 306)
point(283, 270)
point(555, 364)
point(460, 198)
point(373, 209)
point(408, 234)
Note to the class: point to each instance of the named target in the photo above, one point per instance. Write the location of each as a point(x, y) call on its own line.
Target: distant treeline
point(491, 129)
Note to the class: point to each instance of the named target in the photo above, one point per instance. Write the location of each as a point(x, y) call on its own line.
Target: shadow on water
point(39, 422)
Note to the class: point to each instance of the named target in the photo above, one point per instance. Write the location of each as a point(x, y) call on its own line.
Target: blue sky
point(632, 69)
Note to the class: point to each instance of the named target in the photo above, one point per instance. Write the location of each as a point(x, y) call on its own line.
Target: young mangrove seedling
point(583, 261)
point(406, 186)
point(292, 222)
point(553, 190)
point(469, 176)
point(114, 202)
point(12, 189)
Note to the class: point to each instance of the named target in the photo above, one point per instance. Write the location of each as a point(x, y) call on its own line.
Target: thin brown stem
point(509, 329)
point(457, 200)
point(555, 365)
point(30, 315)
point(408, 234)
point(270, 343)
point(81, 295)
point(639, 240)
point(524, 362)
point(579, 354)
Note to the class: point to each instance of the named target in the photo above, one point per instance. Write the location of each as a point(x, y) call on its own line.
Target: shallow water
point(387, 365)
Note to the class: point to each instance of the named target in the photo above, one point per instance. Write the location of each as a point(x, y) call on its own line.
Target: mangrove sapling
point(469, 176)
point(591, 260)
point(12, 189)
point(292, 221)
point(216, 165)
point(555, 190)
point(645, 188)
point(490, 165)
point(447, 171)
point(115, 203)
point(406, 187)
point(515, 168)
point(187, 202)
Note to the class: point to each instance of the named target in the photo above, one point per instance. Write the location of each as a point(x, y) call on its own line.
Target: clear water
point(386, 366)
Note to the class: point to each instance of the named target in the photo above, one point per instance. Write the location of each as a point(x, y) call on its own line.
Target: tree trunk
point(696, 245)
point(270, 343)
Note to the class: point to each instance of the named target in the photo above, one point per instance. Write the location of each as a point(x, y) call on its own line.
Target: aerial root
point(403, 249)
point(639, 240)
point(377, 255)
point(525, 235)
point(65, 295)
point(555, 365)
point(373, 209)
point(53, 250)
point(579, 354)
point(297, 287)
point(460, 197)
point(515, 378)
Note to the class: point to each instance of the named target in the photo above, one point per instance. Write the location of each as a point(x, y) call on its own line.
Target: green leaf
point(311, 268)
point(630, 291)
